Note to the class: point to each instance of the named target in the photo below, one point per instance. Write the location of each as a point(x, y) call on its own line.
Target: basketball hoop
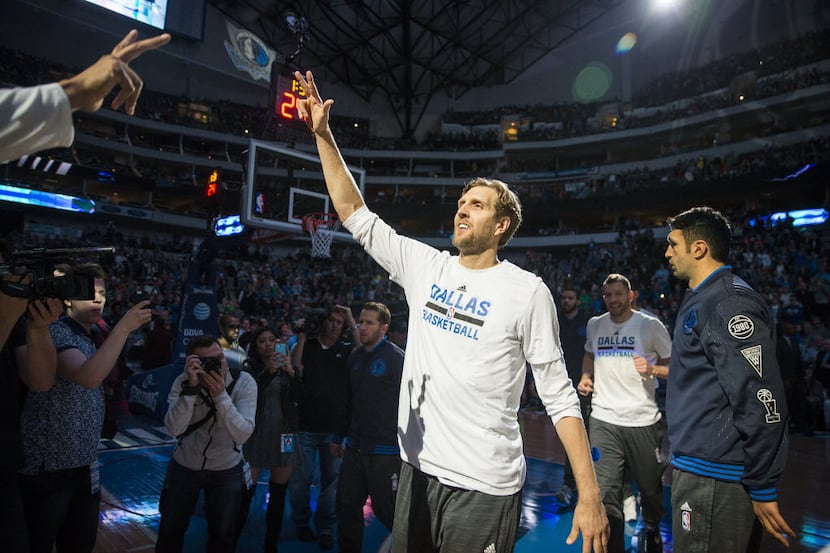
point(321, 227)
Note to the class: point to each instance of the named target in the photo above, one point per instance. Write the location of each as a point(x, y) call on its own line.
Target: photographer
point(59, 479)
point(211, 412)
point(13, 332)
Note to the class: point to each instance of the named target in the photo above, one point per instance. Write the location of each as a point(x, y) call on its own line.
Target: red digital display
point(288, 101)
point(286, 93)
point(212, 187)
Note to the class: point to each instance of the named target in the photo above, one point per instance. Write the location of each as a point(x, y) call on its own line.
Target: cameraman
point(13, 332)
point(61, 426)
point(211, 412)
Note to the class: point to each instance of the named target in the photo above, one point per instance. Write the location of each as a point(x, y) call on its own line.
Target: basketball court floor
point(133, 465)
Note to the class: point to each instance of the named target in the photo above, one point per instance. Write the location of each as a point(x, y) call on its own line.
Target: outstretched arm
point(40, 117)
point(345, 195)
point(87, 89)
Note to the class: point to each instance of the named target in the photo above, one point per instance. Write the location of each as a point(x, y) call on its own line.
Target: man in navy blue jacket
point(371, 456)
point(725, 402)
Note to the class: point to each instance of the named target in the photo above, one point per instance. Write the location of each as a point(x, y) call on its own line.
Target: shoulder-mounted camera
point(40, 263)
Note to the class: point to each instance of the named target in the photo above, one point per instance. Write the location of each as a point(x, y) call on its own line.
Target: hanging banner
point(249, 53)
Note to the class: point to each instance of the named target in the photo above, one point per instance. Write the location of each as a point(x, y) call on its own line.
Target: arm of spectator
point(180, 407)
point(91, 372)
point(345, 195)
point(352, 324)
point(40, 117)
point(37, 361)
point(238, 413)
point(87, 89)
point(297, 353)
point(11, 309)
point(34, 119)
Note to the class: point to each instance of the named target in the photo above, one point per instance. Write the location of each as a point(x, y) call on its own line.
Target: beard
point(473, 242)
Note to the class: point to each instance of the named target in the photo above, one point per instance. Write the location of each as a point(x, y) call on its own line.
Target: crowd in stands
point(766, 163)
point(768, 60)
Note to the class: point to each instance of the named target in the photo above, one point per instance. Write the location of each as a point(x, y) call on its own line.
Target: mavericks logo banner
point(249, 53)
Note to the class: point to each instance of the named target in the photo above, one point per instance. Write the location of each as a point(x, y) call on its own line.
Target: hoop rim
point(319, 219)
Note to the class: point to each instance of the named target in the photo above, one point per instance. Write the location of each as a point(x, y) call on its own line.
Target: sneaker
point(566, 497)
point(649, 541)
point(630, 508)
point(325, 541)
point(304, 533)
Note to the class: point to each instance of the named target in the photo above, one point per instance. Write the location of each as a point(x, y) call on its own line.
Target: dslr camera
point(44, 284)
point(211, 364)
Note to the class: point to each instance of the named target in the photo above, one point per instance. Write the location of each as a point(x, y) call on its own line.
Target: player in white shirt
point(624, 351)
point(474, 322)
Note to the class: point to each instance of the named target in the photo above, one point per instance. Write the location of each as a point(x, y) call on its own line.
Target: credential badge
point(740, 327)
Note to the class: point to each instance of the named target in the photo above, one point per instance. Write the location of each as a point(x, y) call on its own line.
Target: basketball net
point(321, 227)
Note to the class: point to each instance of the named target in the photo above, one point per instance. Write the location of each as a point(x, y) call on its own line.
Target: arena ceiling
point(406, 51)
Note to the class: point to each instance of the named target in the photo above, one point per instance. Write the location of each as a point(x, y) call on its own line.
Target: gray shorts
point(431, 517)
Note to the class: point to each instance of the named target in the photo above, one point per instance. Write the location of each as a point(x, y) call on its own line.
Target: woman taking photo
point(271, 444)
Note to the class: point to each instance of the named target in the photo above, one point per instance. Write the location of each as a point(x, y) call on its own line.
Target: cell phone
point(280, 347)
point(138, 296)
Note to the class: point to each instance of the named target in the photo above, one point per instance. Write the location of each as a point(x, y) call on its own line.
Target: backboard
point(282, 185)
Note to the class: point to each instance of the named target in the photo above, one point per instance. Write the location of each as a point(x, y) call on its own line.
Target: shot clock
point(285, 94)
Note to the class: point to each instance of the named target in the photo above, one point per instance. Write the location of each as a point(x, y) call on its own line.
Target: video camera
point(40, 263)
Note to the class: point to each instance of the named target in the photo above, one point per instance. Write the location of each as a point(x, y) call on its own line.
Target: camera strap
point(211, 406)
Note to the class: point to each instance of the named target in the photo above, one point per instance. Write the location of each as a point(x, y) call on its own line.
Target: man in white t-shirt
point(624, 351)
point(474, 323)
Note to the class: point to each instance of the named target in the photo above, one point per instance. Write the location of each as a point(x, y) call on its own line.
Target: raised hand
point(313, 109)
point(86, 90)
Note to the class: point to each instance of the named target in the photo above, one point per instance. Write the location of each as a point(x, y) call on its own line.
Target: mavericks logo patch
point(740, 327)
point(690, 321)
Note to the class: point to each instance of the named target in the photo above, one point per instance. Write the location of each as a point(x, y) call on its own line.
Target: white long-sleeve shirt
point(33, 119)
point(471, 333)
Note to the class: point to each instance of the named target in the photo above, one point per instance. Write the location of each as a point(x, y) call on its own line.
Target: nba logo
point(686, 520)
